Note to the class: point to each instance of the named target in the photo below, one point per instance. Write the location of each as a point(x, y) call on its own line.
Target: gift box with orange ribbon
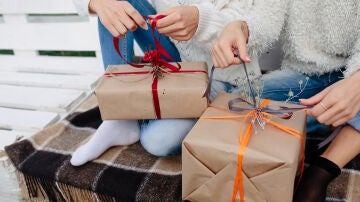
point(229, 156)
point(127, 92)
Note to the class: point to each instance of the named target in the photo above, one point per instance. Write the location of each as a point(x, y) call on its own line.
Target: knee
point(164, 137)
point(158, 146)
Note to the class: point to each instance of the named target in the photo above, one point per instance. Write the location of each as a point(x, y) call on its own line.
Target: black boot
point(315, 181)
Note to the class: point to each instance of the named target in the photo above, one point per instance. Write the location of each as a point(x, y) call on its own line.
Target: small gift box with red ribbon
point(126, 92)
point(227, 156)
point(155, 90)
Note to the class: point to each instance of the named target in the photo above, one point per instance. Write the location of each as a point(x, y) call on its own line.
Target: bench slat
point(75, 36)
point(37, 6)
point(52, 64)
point(86, 82)
point(26, 119)
point(8, 137)
point(46, 99)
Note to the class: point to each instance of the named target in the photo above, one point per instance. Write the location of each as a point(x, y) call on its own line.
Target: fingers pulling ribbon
point(155, 57)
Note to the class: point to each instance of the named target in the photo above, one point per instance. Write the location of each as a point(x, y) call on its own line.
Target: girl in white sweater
point(194, 25)
point(322, 48)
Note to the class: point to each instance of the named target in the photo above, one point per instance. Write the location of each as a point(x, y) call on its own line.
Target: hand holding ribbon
point(118, 17)
point(180, 23)
point(154, 56)
point(262, 113)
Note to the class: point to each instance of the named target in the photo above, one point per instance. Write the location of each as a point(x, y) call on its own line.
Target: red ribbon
point(153, 56)
point(158, 64)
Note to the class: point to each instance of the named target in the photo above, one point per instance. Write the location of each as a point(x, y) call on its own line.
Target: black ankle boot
point(316, 179)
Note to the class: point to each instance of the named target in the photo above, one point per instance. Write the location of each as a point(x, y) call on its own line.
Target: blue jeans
point(290, 86)
point(158, 137)
point(143, 37)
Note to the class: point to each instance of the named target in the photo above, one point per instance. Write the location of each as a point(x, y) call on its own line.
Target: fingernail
point(248, 59)
point(146, 27)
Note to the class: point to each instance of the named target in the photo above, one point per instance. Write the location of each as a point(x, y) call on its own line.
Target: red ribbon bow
point(153, 56)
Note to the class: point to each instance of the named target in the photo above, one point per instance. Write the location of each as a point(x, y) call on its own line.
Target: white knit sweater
point(214, 15)
point(320, 36)
point(323, 36)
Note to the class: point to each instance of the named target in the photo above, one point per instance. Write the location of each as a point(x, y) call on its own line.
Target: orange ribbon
point(244, 140)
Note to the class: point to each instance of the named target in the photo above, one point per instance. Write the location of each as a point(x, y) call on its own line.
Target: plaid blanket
point(123, 173)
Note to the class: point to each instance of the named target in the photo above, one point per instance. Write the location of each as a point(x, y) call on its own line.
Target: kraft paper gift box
point(126, 94)
point(210, 157)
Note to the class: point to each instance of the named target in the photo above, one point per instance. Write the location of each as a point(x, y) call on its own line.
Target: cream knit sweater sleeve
point(82, 7)
point(264, 18)
point(353, 64)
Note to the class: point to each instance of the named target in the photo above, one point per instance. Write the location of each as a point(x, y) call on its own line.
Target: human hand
point(232, 40)
point(117, 16)
point(336, 104)
point(180, 22)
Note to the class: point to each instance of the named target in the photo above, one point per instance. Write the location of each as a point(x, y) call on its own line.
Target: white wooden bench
point(38, 90)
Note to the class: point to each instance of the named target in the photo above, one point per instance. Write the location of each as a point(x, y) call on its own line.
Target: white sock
point(110, 133)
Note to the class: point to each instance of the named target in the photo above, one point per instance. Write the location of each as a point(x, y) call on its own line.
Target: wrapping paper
point(210, 156)
point(129, 96)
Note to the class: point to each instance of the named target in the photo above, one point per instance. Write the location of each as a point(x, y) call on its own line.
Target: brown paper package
point(130, 96)
point(209, 158)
